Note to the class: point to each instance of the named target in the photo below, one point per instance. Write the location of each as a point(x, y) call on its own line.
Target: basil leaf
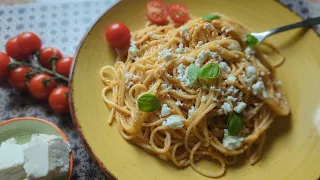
point(251, 41)
point(192, 73)
point(148, 103)
point(209, 71)
point(235, 124)
point(210, 17)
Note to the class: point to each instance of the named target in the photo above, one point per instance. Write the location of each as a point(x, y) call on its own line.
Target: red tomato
point(63, 66)
point(28, 43)
point(13, 49)
point(118, 35)
point(46, 54)
point(157, 12)
point(40, 88)
point(18, 79)
point(4, 61)
point(179, 13)
point(58, 100)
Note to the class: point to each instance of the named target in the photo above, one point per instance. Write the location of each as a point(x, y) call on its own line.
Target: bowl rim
point(72, 108)
point(50, 124)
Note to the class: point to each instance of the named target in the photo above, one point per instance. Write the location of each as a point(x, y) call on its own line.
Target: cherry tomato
point(63, 66)
point(4, 61)
point(13, 49)
point(118, 35)
point(18, 79)
point(58, 100)
point(46, 54)
point(179, 13)
point(28, 43)
point(157, 12)
point(40, 86)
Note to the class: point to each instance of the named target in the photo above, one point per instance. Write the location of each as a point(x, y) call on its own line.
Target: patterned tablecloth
point(62, 24)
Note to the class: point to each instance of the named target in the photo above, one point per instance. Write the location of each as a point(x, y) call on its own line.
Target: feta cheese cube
point(174, 122)
point(240, 107)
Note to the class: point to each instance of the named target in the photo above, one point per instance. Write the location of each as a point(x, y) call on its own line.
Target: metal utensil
point(308, 22)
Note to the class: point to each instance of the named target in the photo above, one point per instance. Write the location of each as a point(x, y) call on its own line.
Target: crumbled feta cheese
point(220, 111)
point(184, 31)
point(212, 88)
point(182, 49)
point(227, 107)
point(258, 89)
point(191, 111)
point(208, 26)
point(249, 51)
point(251, 72)
point(179, 103)
point(230, 98)
point(203, 98)
point(232, 90)
point(232, 79)
point(166, 86)
point(234, 47)
point(240, 107)
point(225, 68)
point(199, 44)
point(202, 56)
point(231, 142)
point(129, 85)
point(214, 99)
point(166, 54)
point(214, 55)
point(174, 122)
point(183, 74)
point(130, 76)
point(165, 110)
point(278, 83)
point(278, 95)
point(133, 51)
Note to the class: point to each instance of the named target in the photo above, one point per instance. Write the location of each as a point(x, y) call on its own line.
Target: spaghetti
point(193, 119)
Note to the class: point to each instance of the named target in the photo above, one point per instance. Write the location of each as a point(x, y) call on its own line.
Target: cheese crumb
point(232, 79)
point(166, 54)
point(259, 88)
point(233, 47)
point(231, 142)
point(251, 72)
point(232, 90)
point(203, 98)
point(225, 68)
point(179, 103)
point(166, 86)
point(184, 31)
point(191, 111)
point(165, 110)
point(227, 107)
point(230, 98)
point(208, 26)
point(240, 107)
point(174, 122)
point(199, 44)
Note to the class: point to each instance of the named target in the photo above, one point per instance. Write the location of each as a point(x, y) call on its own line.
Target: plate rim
point(74, 118)
point(63, 135)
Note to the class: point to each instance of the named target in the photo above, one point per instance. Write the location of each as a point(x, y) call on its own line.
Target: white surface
point(11, 161)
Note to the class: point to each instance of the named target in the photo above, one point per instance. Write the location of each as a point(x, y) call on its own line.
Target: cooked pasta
point(195, 115)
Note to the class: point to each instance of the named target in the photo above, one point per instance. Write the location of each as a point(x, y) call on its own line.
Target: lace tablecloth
point(62, 24)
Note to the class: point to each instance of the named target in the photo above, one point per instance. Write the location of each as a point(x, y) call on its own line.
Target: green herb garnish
point(148, 103)
point(192, 73)
point(210, 17)
point(251, 41)
point(235, 124)
point(209, 71)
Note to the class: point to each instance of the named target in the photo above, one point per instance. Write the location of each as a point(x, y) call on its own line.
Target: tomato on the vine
point(157, 12)
point(28, 43)
point(58, 99)
point(47, 54)
point(18, 79)
point(13, 50)
point(4, 61)
point(179, 13)
point(41, 85)
point(118, 35)
point(63, 66)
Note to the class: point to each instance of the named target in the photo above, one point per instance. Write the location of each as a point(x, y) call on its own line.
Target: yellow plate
point(292, 149)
